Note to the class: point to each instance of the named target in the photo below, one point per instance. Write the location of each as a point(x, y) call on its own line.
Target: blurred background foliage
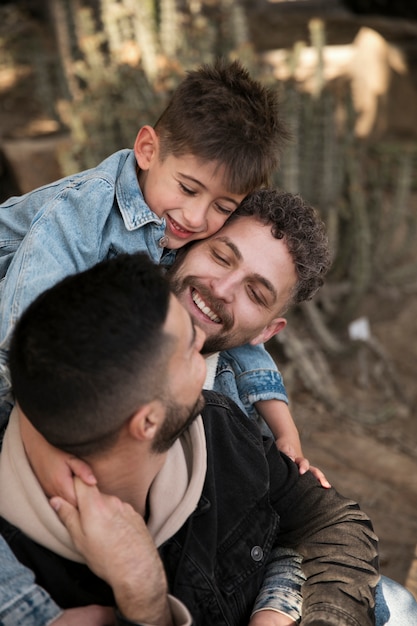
point(109, 66)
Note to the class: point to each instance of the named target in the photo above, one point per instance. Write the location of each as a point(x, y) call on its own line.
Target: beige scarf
point(174, 493)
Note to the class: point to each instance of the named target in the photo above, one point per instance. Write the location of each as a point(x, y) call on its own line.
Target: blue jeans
point(395, 606)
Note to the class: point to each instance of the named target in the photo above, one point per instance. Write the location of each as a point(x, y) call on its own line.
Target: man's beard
point(177, 419)
point(225, 338)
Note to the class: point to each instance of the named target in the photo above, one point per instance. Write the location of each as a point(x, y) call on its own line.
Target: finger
point(303, 464)
point(89, 498)
point(67, 514)
point(82, 470)
point(319, 475)
point(94, 505)
point(65, 489)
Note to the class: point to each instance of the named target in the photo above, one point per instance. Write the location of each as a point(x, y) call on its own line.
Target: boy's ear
point(146, 147)
point(269, 331)
point(145, 423)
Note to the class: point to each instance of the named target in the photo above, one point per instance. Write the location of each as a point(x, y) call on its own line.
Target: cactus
point(119, 60)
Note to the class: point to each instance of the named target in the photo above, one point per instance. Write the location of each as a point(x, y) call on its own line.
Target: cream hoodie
point(174, 495)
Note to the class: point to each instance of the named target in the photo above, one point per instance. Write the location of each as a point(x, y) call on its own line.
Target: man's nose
point(225, 287)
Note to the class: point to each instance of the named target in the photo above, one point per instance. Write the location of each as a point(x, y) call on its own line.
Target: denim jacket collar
point(133, 208)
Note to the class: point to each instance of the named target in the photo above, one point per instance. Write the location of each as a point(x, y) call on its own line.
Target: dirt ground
point(375, 462)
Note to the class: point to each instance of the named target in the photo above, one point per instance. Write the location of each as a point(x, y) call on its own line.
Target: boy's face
point(189, 193)
point(236, 284)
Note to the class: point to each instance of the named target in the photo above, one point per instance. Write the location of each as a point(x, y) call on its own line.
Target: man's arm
point(336, 541)
point(62, 239)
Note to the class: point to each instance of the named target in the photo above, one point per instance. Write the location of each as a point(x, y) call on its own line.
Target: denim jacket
point(247, 374)
point(216, 562)
point(66, 227)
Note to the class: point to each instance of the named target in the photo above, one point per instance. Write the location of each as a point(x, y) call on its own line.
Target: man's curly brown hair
point(303, 231)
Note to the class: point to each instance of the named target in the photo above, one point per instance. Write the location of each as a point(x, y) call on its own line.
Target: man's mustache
point(217, 306)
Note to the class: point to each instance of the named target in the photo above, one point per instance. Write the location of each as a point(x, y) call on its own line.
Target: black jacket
point(253, 497)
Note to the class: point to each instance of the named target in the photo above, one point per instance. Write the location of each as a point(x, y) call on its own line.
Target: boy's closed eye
point(224, 210)
point(187, 190)
point(192, 192)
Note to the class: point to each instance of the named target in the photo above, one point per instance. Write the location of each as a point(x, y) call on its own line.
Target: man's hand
point(117, 546)
point(271, 618)
point(53, 468)
point(93, 615)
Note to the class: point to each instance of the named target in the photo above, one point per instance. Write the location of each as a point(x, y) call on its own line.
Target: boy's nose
point(195, 217)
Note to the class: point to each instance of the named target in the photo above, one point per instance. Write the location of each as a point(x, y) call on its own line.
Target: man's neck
point(127, 475)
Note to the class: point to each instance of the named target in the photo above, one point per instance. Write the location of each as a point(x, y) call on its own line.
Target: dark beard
point(216, 343)
point(177, 419)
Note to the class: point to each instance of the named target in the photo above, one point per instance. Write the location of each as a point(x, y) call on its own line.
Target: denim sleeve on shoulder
point(22, 602)
point(248, 374)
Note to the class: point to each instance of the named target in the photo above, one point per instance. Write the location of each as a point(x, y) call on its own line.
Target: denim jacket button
point(163, 241)
point(257, 553)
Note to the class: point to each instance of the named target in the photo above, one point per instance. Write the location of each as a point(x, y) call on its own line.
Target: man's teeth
point(205, 309)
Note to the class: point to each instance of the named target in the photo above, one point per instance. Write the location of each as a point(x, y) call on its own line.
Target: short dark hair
point(88, 352)
point(219, 113)
point(303, 231)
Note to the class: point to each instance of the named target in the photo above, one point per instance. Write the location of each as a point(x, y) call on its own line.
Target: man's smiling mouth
point(204, 308)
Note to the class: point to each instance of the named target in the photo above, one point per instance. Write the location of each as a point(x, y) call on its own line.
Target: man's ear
point(145, 423)
point(146, 147)
point(269, 331)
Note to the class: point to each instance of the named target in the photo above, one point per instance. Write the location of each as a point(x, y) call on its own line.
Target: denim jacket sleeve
point(63, 238)
point(253, 374)
point(281, 586)
point(68, 226)
point(22, 603)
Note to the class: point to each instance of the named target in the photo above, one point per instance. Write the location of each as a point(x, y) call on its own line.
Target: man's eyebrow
point(267, 284)
point(258, 277)
point(200, 184)
point(233, 248)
